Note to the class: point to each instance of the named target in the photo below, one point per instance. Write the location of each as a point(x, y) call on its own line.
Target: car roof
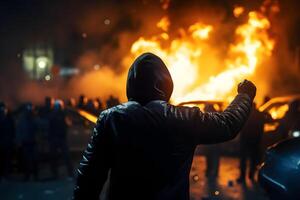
point(282, 99)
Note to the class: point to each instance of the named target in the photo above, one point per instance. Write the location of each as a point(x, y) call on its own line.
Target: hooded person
point(147, 144)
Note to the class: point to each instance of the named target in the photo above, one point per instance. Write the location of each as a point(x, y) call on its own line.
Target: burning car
point(277, 108)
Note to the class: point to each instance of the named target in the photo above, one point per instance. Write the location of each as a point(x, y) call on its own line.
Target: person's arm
point(95, 164)
point(209, 128)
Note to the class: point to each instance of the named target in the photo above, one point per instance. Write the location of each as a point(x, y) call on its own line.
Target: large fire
point(184, 55)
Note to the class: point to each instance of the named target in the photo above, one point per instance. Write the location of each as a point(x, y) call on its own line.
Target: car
point(279, 174)
point(276, 108)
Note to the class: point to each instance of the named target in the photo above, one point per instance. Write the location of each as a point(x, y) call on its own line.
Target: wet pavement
point(225, 187)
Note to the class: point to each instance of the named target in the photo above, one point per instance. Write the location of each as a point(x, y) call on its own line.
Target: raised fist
point(247, 87)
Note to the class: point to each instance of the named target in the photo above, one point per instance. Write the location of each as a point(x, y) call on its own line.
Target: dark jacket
point(147, 143)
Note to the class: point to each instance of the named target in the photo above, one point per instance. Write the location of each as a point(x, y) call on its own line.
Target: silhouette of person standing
point(58, 139)
point(7, 136)
point(212, 153)
point(148, 144)
point(250, 143)
point(26, 139)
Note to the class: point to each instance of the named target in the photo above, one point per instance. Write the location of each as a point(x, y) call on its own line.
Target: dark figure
point(212, 153)
point(100, 105)
point(148, 144)
point(291, 120)
point(250, 143)
point(44, 115)
point(112, 101)
point(7, 136)
point(26, 140)
point(45, 111)
point(58, 139)
point(92, 106)
point(266, 99)
point(82, 102)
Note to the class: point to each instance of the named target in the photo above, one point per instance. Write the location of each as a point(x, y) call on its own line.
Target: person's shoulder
point(123, 107)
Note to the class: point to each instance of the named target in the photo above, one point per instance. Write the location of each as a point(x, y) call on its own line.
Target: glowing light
point(88, 116)
point(196, 178)
point(96, 67)
point(107, 21)
point(48, 77)
point(84, 35)
point(163, 24)
point(239, 10)
point(279, 112)
point(165, 4)
point(200, 31)
point(42, 62)
point(296, 133)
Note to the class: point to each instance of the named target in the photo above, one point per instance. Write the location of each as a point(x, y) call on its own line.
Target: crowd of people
point(22, 131)
point(19, 132)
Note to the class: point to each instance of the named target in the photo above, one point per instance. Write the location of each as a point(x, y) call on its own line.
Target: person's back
point(147, 143)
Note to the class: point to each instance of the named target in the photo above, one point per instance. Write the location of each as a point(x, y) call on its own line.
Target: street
point(226, 187)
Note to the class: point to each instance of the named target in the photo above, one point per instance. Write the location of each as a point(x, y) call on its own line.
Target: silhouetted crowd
point(31, 135)
point(23, 129)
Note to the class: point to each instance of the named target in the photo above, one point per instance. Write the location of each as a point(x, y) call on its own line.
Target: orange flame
point(252, 45)
point(237, 11)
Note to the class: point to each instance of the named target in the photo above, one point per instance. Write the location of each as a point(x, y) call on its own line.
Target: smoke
point(107, 31)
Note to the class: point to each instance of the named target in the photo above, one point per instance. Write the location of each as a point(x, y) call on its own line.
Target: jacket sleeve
point(210, 128)
point(95, 164)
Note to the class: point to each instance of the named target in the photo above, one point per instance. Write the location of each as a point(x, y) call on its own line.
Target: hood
point(149, 79)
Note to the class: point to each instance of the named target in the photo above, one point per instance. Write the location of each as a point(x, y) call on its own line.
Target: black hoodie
point(148, 80)
point(148, 144)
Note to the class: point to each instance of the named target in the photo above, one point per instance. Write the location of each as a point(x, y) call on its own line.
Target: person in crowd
point(251, 143)
point(100, 105)
point(147, 144)
point(58, 127)
point(71, 102)
point(45, 110)
point(82, 101)
point(212, 153)
point(112, 101)
point(44, 115)
point(26, 140)
point(92, 106)
point(7, 136)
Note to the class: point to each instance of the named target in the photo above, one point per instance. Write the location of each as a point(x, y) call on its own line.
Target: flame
point(238, 10)
point(279, 112)
point(184, 55)
point(164, 23)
